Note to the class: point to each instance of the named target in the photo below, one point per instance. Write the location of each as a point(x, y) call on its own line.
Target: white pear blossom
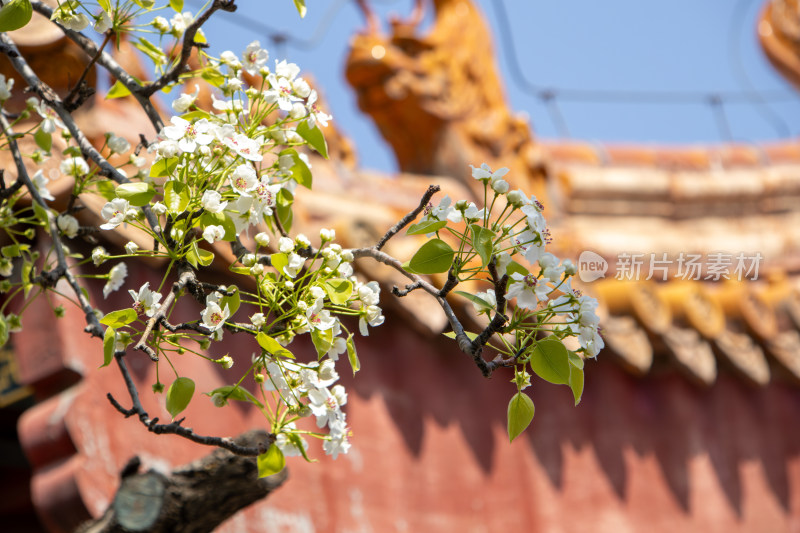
point(285, 245)
point(180, 21)
point(74, 166)
point(99, 255)
point(529, 244)
point(550, 267)
point(327, 404)
point(295, 264)
point(288, 445)
point(213, 233)
point(186, 100)
point(369, 293)
point(315, 114)
point(119, 145)
point(258, 319)
point(212, 202)
point(116, 212)
point(145, 301)
point(6, 266)
point(188, 135)
point(254, 58)
point(40, 184)
point(444, 211)
point(484, 172)
point(213, 316)
point(286, 70)
point(280, 93)
point(528, 290)
point(102, 22)
point(337, 442)
point(244, 179)
point(161, 24)
point(489, 297)
point(5, 88)
point(243, 145)
point(262, 239)
point(370, 315)
point(68, 225)
point(116, 277)
point(51, 119)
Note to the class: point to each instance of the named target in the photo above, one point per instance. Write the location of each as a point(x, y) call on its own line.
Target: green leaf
point(273, 346)
point(43, 140)
point(179, 395)
point(576, 383)
point(323, 341)
point(176, 196)
point(17, 13)
point(197, 114)
point(105, 4)
point(40, 213)
point(235, 392)
point(434, 256)
point(138, 194)
point(197, 255)
point(233, 301)
point(213, 77)
point(313, 136)
point(119, 318)
point(452, 334)
point(423, 228)
point(108, 346)
point(475, 299)
point(513, 267)
point(355, 364)
point(550, 361)
point(177, 5)
point(520, 414)
point(270, 462)
point(105, 188)
point(575, 360)
point(118, 90)
point(14, 250)
point(150, 50)
point(300, 171)
point(284, 200)
point(482, 242)
point(3, 330)
point(163, 168)
point(27, 273)
point(301, 7)
point(339, 290)
point(278, 261)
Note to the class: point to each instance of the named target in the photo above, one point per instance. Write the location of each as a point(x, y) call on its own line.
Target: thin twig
point(426, 198)
point(175, 428)
point(109, 63)
point(186, 49)
point(93, 326)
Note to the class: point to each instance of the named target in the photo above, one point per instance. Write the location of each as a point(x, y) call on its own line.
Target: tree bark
point(194, 498)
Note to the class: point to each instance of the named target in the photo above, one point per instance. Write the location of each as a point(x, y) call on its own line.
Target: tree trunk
point(194, 498)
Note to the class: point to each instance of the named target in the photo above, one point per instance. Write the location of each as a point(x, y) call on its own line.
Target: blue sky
point(604, 59)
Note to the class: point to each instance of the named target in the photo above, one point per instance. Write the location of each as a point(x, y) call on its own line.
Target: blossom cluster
point(518, 229)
